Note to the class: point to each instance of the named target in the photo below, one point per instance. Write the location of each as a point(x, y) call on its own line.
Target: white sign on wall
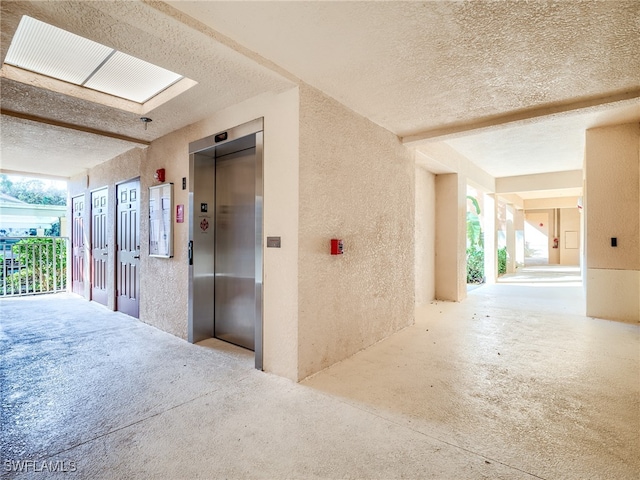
point(161, 221)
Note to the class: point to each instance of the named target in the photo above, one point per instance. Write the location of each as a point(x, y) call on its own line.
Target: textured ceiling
point(414, 66)
point(52, 151)
point(551, 144)
point(411, 67)
point(225, 77)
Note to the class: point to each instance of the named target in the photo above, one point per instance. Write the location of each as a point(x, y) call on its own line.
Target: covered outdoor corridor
point(515, 382)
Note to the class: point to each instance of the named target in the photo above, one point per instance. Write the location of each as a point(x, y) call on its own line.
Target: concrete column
point(554, 232)
point(490, 241)
point(451, 237)
point(518, 225)
point(425, 227)
point(612, 223)
point(511, 239)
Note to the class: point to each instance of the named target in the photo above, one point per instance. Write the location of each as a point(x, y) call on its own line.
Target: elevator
point(225, 237)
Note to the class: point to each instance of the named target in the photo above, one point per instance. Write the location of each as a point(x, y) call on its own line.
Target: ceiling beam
point(455, 129)
point(540, 181)
point(43, 176)
point(71, 126)
point(26, 209)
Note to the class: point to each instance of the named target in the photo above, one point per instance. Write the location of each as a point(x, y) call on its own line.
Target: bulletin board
point(161, 221)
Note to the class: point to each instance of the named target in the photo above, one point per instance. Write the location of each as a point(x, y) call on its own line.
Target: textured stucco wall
point(164, 282)
point(612, 209)
point(163, 302)
point(357, 184)
point(161, 296)
point(280, 210)
point(425, 228)
point(613, 294)
point(612, 169)
point(280, 218)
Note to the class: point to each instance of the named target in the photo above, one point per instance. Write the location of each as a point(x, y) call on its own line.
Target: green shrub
point(475, 265)
point(475, 244)
point(502, 261)
point(43, 265)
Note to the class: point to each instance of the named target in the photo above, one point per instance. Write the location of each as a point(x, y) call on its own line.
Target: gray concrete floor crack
point(478, 454)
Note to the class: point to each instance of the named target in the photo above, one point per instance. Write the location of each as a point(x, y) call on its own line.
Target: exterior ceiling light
point(51, 51)
point(145, 121)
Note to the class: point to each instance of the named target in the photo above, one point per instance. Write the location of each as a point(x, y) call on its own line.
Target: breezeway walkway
point(515, 382)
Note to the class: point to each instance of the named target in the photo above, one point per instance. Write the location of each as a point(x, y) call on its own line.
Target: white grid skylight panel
point(51, 51)
point(128, 77)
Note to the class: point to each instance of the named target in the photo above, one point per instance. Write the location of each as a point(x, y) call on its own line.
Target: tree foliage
point(475, 265)
point(41, 266)
point(474, 228)
point(475, 244)
point(33, 191)
point(502, 261)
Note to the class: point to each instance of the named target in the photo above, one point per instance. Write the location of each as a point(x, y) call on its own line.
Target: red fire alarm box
point(159, 175)
point(337, 247)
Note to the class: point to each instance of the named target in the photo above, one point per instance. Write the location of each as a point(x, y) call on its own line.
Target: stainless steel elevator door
point(235, 248)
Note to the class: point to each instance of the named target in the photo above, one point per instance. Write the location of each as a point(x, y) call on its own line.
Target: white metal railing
point(32, 265)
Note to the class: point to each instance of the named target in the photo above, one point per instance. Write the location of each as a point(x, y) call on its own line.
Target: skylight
point(51, 51)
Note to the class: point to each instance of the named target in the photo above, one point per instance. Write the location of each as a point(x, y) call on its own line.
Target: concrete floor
point(513, 383)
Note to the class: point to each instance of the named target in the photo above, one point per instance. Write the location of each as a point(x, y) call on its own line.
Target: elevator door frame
point(201, 258)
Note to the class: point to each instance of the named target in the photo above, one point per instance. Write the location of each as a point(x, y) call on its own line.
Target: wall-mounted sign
point(160, 226)
point(179, 213)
